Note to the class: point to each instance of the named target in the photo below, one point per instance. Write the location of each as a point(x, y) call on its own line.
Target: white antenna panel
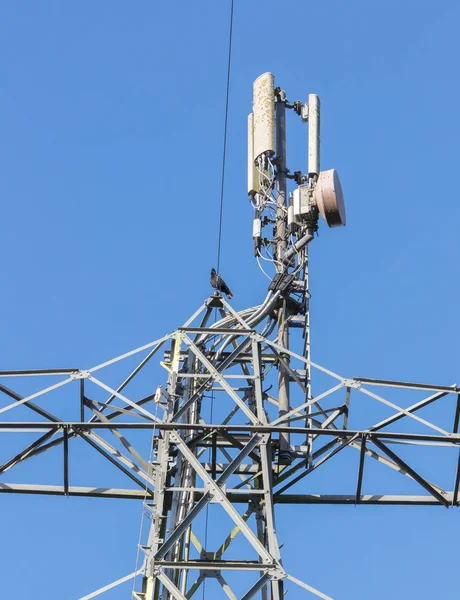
point(313, 134)
point(253, 175)
point(264, 115)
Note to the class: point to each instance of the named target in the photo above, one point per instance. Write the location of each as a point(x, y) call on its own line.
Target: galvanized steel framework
point(254, 449)
point(231, 359)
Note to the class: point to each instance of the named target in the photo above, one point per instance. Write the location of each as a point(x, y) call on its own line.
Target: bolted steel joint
point(81, 375)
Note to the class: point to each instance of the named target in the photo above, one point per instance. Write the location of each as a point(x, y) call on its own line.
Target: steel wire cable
point(224, 148)
point(221, 212)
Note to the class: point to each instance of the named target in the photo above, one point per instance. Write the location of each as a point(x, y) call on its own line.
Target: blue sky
point(112, 121)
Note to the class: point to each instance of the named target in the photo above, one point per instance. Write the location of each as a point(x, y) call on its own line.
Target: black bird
point(219, 284)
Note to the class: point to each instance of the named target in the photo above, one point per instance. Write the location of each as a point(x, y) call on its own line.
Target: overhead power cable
point(221, 209)
point(224, 149)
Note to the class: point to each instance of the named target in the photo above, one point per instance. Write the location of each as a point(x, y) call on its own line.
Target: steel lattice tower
point(236, 430)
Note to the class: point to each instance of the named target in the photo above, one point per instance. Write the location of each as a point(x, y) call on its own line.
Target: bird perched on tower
point(219, 284)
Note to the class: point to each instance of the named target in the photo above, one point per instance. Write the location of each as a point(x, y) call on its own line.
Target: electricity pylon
point(235, 430)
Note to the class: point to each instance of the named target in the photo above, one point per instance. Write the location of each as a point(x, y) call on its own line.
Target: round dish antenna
point(329, 198)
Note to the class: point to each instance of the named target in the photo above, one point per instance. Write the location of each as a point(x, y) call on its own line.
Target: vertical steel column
point(277, 586)
point(151, 586)
point(66, 461)
point(313, 172)
point(267, 508)
point(182, 477)
point(306, 352)
point(82, 400)
point(281, 245)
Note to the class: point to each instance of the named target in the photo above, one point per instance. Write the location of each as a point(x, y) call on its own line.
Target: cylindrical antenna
point(253, 175)
point(313, 135)
point(264, 115)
